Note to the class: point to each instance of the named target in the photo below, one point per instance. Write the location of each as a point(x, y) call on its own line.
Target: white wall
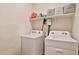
point(75, 30)
point(13, 22)
point(62, 23)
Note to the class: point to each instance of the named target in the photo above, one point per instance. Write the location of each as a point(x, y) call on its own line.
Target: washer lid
point(65, 39)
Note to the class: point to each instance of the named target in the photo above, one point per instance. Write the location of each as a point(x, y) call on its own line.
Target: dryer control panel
point(36, 32)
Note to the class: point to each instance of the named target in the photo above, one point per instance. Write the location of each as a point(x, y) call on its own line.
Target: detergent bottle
point(33, 15)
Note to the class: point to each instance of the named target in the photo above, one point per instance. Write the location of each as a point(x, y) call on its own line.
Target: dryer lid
point(34, 34)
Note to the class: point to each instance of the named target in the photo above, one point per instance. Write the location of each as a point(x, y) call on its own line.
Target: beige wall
point(13, 23)
point(61, 23)
point(75, 30)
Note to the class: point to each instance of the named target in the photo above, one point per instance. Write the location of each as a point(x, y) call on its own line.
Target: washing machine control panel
point(59, 33)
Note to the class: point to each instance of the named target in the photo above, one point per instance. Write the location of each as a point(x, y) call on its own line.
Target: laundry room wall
point(75, 30)
point(44, 6)
point(13, 23)
point(62, 23)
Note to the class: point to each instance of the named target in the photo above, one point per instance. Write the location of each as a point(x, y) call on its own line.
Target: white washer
point(32, 44)
point(60, 43)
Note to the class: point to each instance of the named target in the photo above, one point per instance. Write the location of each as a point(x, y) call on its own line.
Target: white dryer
point(32, 44)
point(60, 43)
